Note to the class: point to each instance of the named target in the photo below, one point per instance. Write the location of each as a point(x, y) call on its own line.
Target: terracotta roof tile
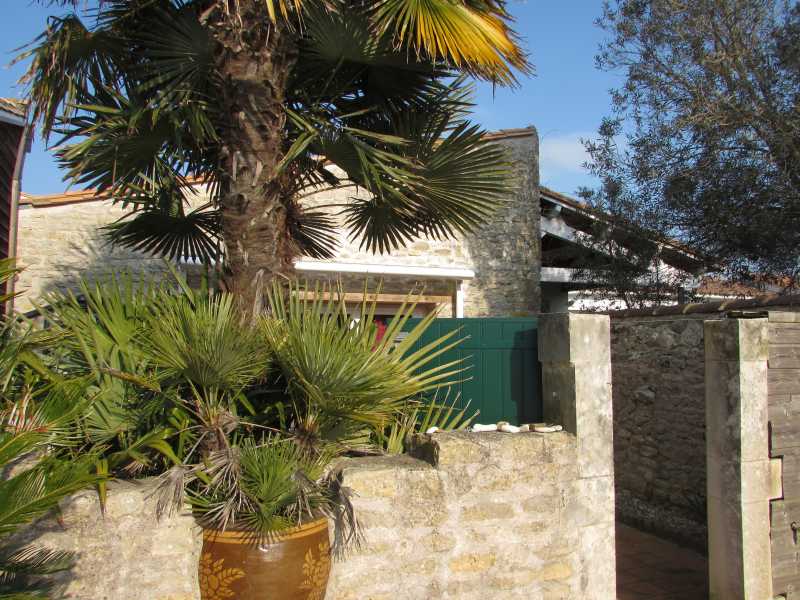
point(90, 195)
point(14, 106)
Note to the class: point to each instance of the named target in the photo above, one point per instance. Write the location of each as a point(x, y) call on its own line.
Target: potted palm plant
point(243, 420)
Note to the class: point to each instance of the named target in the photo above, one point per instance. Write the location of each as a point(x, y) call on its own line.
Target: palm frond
point(203, 342)
point(177, 55)
point(339, 370)
point(314, 232)
point(32, 560)
point(264, 487)
point(475, 36)
point(8, 271)
point(169, 234)
point(126, 146)
point(455, 179)
point(30, 494)
point(444, 415)
point(68, 58)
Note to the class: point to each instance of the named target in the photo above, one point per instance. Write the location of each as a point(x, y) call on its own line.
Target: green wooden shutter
point(504, 371)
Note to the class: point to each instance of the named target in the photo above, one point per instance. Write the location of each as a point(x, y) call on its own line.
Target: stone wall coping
point(772, 301)
point(433, 451)
point(382, 463)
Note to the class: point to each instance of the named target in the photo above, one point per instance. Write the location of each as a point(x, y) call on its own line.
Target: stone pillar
point(737, 459)
point(574, 350)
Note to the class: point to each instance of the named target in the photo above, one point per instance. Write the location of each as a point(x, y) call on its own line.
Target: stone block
point(570, 337)
point(736, 339)
point(598, 567)
point(739, 482)
point(486, 511)
point(472, 562)
point(737, 409)
point(558, 395)
point(739, 550)
point(590, 501)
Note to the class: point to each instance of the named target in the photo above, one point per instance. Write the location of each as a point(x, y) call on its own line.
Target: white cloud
point(563, 152)
point(560, 160)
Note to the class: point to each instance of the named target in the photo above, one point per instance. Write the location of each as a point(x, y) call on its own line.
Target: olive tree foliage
point(704, 142)
point(631, 262)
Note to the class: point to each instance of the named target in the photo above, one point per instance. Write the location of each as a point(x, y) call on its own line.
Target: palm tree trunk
point(255, 58)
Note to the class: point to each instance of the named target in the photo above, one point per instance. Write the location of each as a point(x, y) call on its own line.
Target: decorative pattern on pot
point(293, 565)
point(316, 570)
point(215, 579)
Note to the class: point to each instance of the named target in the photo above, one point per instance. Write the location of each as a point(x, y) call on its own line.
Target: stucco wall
point(59, 244)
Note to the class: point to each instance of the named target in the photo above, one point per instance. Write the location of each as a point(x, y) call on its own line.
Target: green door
point(503, 366)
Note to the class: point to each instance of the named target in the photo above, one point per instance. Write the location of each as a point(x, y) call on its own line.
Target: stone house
point(521, 262)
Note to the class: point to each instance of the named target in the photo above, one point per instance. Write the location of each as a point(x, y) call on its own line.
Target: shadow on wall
point(93, 260)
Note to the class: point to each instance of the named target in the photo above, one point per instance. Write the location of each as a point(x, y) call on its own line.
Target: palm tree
point(258, 98)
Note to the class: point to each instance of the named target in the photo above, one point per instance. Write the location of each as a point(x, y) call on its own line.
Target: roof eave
point(11, 118)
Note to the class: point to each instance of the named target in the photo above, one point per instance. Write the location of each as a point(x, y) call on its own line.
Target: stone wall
point(60, 242)
point(123, 553)
point(468, 516)
point(463, 516)
point(484, 515)
point(659, 426)
point(659, 365)
point(506, 252)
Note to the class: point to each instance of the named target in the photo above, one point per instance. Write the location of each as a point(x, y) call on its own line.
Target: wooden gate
point(503, 366)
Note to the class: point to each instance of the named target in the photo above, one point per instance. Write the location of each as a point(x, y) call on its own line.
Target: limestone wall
point(659, 424)
point(485, 515)
point(59, 243)
point(468, 516)
point(464, 516)
point(740, 474)
point(123, 553)
point(659, 366)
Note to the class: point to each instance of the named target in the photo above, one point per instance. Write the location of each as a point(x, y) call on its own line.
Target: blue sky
point(565, 100)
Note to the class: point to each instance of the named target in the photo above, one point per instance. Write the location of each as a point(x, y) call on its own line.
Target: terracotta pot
point(293, 565)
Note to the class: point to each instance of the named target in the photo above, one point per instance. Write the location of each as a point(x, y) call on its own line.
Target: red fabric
point(380, 323)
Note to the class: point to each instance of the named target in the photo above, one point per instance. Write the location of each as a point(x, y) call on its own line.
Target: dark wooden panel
point(784, 437)
point(791, 474)
point(784, 381)
point(784, 512)
point(779, 407)
point(786, 585)
point(784, 333)
point(785, 566)
point(784, 356)
point(783, 544)
point(10, 136)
